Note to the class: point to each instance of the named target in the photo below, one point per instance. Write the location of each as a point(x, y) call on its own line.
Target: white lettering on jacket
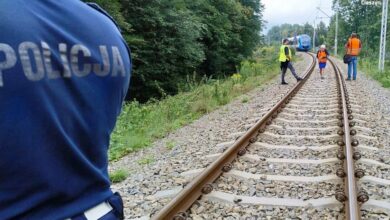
point(76, 61)
point(9, 62)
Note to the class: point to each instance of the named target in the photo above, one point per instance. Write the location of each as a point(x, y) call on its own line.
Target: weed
point(146, 160)
point(118, 176)
point(369, 66)
point(170, 145)
point(236, 78)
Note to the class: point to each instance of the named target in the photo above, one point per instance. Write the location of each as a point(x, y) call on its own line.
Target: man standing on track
point(64, 73)
point(353, 47)
point(322, 55)
point(285, 58)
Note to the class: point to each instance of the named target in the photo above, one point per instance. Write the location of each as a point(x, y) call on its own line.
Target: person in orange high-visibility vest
point(353, 47)
point(322, 56)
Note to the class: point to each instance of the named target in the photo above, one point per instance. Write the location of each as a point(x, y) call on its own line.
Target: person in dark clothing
point(285, 58)
point(64, 72)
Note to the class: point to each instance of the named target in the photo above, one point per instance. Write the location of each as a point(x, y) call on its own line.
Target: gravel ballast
point(374, 111)
point(150, 186)
point(192, 144)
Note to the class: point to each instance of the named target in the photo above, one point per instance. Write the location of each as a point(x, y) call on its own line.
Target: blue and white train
point(301, 42)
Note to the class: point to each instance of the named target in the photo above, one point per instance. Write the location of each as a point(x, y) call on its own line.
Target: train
point(301, 42)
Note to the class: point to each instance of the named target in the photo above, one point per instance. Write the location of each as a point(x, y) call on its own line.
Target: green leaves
point(277, 33)
point(364, 20)
point(171, 39)
point(139, 125)
point(169, 48)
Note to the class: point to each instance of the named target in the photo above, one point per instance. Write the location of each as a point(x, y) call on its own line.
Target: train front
point(304, 43)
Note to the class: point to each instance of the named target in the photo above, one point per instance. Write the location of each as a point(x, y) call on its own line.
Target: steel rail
point(177, 207)
point(352, 206)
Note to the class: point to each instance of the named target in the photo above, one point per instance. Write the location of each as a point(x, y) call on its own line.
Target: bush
point(140, 124)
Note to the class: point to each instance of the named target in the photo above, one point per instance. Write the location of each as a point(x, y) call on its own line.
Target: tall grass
point(370, 67)
point(141, 124)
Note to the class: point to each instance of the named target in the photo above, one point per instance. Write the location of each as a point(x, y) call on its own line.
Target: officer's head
point(354, 35)
point(285, 41)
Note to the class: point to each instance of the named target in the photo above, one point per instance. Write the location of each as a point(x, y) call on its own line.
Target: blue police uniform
point(64, 73)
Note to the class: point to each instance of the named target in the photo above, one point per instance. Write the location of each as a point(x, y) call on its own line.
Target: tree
point(362, 19)
point(171, 39)
point(277, 33)
point(321, 33)
point(308, 29)
point(231, 32)
point(169, 48)
point(113, 7)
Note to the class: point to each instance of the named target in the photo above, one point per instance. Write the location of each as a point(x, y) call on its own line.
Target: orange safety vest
point(321, 55)
point(353, 46)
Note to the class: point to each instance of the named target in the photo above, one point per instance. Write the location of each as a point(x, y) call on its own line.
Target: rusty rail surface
point(177, 207)
point(349, 196)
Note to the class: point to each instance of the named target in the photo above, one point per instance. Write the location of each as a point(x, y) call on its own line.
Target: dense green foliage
point(365, 20)
point(172, 39)
point(140, 124)
point(277, 33)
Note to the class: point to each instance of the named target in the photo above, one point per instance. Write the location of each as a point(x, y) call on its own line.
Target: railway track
point(302, 158)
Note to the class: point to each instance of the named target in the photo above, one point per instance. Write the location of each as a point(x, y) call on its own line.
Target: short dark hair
point(285, 40)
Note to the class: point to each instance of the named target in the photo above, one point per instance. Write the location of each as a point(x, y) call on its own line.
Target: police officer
point(64, 73)
point(353, 48)
point(285, 58)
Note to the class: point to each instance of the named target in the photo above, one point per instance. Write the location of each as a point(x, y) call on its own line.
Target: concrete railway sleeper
point(299, 159)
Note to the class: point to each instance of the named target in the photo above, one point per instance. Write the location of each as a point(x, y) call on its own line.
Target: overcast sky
point(294, 11)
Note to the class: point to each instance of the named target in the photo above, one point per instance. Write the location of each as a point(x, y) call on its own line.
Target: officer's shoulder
point(104, 12)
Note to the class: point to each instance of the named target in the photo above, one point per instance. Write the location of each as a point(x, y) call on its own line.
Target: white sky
point(295, 11)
